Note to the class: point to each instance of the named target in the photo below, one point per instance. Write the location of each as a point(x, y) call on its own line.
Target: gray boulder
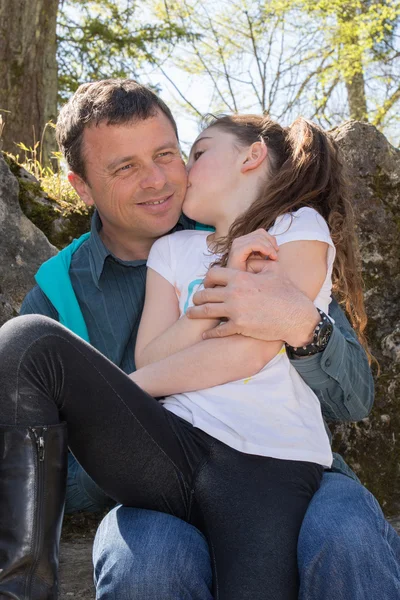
point(23, 247)
point(61, 220)
point(372, 447)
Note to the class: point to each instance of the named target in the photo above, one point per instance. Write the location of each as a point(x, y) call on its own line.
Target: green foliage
point(50, 177)
point(98, 39)
point(48, 199)
point(325, 59)
point(357, 27)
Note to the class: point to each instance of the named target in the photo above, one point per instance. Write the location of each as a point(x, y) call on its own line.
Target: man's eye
point(197, 154)
point(125, 167)
point(167, 153)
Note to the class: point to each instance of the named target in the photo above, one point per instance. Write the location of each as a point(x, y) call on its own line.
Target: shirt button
point(328, 362)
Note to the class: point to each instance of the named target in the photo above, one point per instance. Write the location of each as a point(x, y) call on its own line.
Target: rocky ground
point(76, 572)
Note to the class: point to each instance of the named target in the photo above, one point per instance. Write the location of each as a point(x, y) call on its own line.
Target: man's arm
point(267, 306)
point(37, 303)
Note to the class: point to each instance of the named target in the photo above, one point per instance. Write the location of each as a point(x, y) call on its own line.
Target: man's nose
point(154, 177)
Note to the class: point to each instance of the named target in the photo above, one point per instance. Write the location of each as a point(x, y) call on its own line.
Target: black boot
point(33, 471)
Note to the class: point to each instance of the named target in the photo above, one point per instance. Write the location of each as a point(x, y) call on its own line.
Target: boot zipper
point(39, 434)
point(40, 444)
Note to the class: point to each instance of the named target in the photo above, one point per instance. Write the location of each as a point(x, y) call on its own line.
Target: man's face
point(135, 176)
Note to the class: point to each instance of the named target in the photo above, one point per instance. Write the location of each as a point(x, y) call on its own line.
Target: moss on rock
point(60, 220)
point(372, 446)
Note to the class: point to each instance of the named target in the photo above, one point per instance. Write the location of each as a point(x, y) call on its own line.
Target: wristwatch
point(320, 339)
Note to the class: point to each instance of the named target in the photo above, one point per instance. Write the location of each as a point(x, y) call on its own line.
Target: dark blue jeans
point(250, 508)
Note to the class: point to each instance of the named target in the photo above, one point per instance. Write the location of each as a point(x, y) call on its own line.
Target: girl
point(238, 445)
point(247, 174)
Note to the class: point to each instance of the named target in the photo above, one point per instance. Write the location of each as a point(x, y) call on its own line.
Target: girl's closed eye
point(197, 154)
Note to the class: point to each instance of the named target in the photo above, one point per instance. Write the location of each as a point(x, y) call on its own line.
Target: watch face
point(324, 334)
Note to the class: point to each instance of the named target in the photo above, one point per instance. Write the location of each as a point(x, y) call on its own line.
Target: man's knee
point(343, 517)
point(150, 555)
point(346, 547)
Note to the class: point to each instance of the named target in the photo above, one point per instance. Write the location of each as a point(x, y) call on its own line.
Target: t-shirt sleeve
point(304, 224)
point(160, 259)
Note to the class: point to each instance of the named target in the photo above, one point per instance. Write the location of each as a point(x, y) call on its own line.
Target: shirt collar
point(98, 252)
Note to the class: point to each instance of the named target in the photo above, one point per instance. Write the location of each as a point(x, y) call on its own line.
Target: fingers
point(214, 294)
point(207, 311)
point(256, 265)
point(218, 276)
point(238, 259)
point(259, 242)
point(222, 330)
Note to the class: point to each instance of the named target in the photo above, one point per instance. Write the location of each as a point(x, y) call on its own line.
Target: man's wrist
point(302, 333)
point(320, 339)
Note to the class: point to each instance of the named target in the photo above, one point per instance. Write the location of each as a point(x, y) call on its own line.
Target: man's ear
point(255, 155)
point(81, 188)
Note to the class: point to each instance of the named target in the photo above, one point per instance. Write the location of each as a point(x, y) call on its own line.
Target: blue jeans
point(346, 551)
point(82, 492)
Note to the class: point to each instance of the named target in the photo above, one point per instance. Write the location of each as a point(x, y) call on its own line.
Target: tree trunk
point(356, 97)
point(28, 72)
point(355, 84)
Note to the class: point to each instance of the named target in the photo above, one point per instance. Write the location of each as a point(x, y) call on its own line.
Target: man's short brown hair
point(113, 101)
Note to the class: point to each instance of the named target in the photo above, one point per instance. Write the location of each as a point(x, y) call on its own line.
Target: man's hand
point(266, 305)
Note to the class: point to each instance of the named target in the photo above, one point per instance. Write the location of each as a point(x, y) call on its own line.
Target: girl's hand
point(255, 246)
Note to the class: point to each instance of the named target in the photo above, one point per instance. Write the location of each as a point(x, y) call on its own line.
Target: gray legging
point(249, 507)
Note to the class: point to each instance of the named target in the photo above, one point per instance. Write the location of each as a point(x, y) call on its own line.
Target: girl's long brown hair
point(304, 169)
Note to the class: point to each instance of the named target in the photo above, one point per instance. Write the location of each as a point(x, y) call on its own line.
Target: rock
point(372, 447)
point(395, 523)
point(23, 247)
point(60, 220)
point(76, 568)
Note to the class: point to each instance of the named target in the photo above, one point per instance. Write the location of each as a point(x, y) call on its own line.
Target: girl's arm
point(161, 331)
point(206, 364)
point(214, 362)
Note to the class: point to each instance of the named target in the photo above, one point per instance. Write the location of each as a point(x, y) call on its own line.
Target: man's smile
point(158, 203)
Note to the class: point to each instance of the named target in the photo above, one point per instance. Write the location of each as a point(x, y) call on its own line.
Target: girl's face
point(214, 175)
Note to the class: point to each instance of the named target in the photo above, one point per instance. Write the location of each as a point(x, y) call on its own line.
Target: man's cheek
point(177, 173)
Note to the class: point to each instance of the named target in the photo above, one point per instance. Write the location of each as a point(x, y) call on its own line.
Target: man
point(120, 142)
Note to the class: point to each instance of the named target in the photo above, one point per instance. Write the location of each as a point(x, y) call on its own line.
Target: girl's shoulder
point(305, 218)
point(177, 244)
point(180, 239)
point(303, 224)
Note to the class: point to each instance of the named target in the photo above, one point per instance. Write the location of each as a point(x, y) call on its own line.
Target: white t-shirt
point(273, 413)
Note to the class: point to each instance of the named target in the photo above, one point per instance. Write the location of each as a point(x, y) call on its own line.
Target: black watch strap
point(321, 337)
